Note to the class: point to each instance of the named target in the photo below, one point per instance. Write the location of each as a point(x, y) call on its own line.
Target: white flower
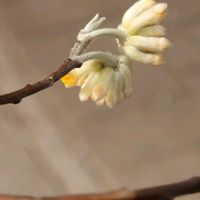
point(145, 37)
point(106, 78)
point(102, 84)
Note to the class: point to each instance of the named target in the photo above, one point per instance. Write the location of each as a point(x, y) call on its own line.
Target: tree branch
point(170, 191)
point(30, 89)
point(165, 192)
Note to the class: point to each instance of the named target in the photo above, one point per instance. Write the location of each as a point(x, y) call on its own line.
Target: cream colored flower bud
point(145, 37)
point(135, 10)
point(150, 44)
point(122, 83)
point(142, 57)
point(101, 88)
point(87, 87)
point(155, 30)
point(151, 16)
point(111, 98)
point(77, 76)
point(102, 84)
point(126, 72)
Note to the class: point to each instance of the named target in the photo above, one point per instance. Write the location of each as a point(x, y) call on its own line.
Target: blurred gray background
point(53, 144)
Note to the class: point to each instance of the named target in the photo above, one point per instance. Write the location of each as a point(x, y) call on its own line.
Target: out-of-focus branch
point(16, 96)
point(165, 192)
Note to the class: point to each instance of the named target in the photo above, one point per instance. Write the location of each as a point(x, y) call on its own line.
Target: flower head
point(100, 83)
point(106, 78)
point(145, 37)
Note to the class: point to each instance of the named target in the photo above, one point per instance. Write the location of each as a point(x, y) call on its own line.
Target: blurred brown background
point(53, 144)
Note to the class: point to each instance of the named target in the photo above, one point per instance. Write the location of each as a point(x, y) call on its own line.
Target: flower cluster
point(106, 78)
point(145, 37)
point(102, 84)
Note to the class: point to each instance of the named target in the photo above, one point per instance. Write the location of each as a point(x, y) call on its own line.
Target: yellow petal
point(78, 76)
point(70, 80)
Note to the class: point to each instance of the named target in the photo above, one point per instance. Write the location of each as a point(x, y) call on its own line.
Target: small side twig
point(30, 89)
point(165, 192)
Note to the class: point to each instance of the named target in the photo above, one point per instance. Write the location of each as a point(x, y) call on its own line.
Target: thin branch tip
point(30, 89)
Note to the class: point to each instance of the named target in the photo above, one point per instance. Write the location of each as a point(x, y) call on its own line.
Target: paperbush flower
point(106, 78)
point(102, 84)
point(145, 37)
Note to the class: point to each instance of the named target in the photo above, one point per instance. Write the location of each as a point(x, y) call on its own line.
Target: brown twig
point(16, 96)
point(165, 192)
